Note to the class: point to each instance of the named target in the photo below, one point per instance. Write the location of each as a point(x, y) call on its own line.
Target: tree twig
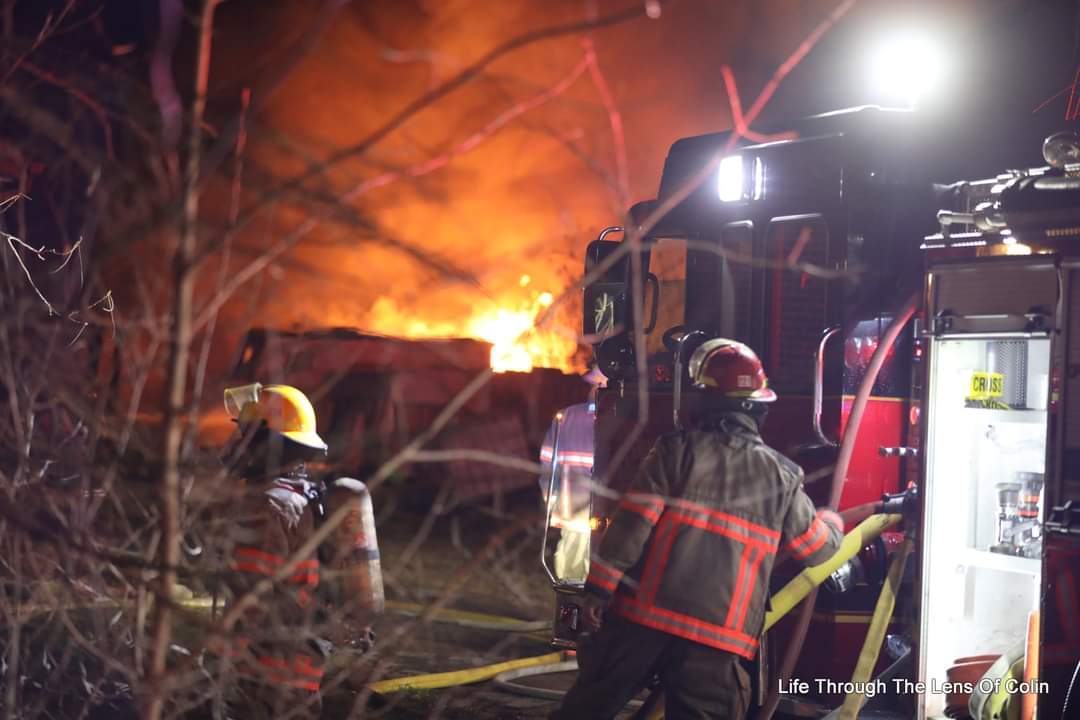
point(184, 278)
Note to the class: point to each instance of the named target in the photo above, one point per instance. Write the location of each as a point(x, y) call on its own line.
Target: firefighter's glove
point(365, 641)
point(321, 646)
point(592, 613)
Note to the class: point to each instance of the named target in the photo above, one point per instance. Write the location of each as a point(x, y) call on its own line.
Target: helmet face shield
point(283, 408)
point(236, 398)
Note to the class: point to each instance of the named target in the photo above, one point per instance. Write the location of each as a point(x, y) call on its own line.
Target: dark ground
point(511, 585)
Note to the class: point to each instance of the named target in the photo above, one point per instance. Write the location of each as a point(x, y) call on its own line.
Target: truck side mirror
point(605, 302)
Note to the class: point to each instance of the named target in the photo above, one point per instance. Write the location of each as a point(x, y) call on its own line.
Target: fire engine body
point(806, 250)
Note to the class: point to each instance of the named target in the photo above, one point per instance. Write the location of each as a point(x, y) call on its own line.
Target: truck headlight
point(730, 179)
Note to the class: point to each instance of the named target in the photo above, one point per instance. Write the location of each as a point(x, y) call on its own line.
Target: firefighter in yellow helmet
point(274, 654)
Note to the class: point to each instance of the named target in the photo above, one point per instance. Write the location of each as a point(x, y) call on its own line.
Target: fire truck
point(948, 314)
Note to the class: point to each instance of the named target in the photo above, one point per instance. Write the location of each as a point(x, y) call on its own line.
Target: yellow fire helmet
point(283, 408)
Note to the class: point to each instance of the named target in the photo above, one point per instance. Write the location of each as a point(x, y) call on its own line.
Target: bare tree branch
point(184, 278)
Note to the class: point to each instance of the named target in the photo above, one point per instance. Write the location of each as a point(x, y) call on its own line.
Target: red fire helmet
point(730, 368)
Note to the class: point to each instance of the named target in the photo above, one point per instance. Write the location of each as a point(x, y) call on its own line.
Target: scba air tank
point(354, 552)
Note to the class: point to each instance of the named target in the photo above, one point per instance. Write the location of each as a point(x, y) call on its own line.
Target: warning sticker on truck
point(985, 385)
point(984, 389)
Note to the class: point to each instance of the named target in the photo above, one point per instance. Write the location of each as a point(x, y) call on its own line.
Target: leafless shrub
point(113, 279)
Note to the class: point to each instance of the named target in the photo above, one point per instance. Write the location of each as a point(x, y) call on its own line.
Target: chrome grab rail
point(819, 381)
point(551, 498)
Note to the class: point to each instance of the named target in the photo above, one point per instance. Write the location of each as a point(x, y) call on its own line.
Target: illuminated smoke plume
point(505, 180)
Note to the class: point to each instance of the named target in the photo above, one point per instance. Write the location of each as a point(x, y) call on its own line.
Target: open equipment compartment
point(986, 429)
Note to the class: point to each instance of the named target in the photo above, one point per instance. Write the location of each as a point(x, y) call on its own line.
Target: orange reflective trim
point(255, 554)
point(690, 621)
point(817, 545)
point(754, 566)
point(810, 541)
point(301, 665)
point(604, 575)
point(304, 578)
point(606, 584)
point(686, 626)
point(736, 596)
point(306, 666)
point(276, 677)
point(577, 459)
point(724, 530)
point(746, 525)
point(606, 569)
point(300, 674)
point(658, 557)
point(811, 533)
point(644, 511)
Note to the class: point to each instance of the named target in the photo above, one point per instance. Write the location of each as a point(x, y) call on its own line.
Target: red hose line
point(843, 461)
point(862, 397)
point(791, 655)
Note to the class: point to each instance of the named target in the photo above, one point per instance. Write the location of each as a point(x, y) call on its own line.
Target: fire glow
point(507, 325)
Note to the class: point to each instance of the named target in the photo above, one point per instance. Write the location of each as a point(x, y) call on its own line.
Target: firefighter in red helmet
point(679, 584)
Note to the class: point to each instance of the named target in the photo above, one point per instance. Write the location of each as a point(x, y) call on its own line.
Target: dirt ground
point(475, 559)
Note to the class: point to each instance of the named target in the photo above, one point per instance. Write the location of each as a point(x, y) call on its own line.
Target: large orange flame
point(508, 325)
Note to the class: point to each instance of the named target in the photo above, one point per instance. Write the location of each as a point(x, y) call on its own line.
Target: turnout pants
point(618, 661)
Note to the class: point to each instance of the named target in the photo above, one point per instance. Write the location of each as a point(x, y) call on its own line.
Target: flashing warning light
point(729, 179)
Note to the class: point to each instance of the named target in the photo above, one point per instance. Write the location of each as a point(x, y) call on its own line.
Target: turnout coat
point(691, 546)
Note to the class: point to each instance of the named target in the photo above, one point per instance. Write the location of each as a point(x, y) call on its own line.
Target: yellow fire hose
point(461, 677)
point(799, 587)
point(883, 611)
point(793, 593)
point(782, 602)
